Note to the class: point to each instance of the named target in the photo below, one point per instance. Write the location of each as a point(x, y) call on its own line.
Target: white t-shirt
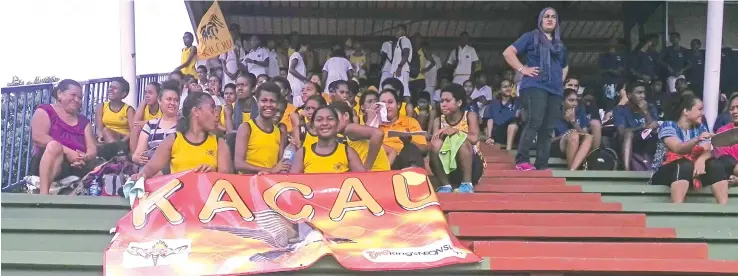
point(402, 43)
point(273, 64)
point(387, 49)
point(295, 83)
point(231, 63)
point(466, 55)
point(431, 77)
point(337, 69)
point(483, 91)
point(436, 97)
point(258, 54)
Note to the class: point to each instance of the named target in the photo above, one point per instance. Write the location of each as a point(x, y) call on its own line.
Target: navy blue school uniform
point(696, 73)
point(562, 126)
point(611, 61)
point(550, 81)
point(626, 118)
point(675, 58)
point(722, 120)
point(644, 63)
point(502, 115)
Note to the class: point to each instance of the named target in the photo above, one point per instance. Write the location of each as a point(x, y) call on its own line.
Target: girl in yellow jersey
point(114, 118)
point(188, 60)
point(405, 108)
point(259, 142)
point(149, 111)
point(340, 93)
point(226, 113)
point(245, 102)
point(302, 133)
point(193, 146)
point(454, 119)
point(327, 155)
point(366, 141)
point(286, 91)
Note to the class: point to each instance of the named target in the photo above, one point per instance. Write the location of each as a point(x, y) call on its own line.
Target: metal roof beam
point(232, 8)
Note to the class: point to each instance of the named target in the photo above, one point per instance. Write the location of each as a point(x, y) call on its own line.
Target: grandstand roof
point(586, 26)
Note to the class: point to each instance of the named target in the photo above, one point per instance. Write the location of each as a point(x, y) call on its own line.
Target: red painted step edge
point(560, 197)
point(516, 173)
point(564, 232)
point(521, 181)
point(603, 250)
point(528, 189)
point(530, 206)
point(699, 267)
point(546, 219)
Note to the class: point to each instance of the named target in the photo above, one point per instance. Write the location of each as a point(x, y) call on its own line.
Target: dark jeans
point(541, 111)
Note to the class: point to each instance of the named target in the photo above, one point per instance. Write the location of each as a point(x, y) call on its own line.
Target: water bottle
point(95, 188)
point(289, 153)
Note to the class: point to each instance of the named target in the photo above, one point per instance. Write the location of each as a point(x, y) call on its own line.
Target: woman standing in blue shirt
point(542, 86)
point(572, 141)
point(502, 117)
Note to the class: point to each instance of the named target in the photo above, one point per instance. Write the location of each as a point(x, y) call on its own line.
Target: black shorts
point(716, 169)
point(456, 176)
point(499, 132)
point(66, 167)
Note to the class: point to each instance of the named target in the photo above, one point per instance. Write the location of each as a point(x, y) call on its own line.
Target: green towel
point(449, 149)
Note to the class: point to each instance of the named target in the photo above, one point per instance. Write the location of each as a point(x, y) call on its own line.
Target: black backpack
point(602, 159)
point(414, 60)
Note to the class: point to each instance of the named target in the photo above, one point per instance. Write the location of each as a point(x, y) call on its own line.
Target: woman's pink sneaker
point(525, 166)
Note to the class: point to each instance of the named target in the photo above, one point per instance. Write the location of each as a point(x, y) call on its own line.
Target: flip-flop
point(725, 138)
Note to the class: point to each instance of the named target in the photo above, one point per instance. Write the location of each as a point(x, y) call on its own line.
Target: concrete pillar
point(713, 43)
point(128, 49)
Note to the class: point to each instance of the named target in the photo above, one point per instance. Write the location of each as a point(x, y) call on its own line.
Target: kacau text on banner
point(222, 224)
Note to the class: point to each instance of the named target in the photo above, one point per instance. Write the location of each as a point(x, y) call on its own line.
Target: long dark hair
point(194, 99)
point(677, 105)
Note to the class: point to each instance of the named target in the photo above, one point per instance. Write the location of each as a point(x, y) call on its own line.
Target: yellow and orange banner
point(223, 224)
point(213, 36)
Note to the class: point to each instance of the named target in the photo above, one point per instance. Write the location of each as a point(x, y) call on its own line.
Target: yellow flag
point(212, 34)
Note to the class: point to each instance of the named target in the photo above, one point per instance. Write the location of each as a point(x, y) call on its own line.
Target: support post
point(128, 49)
point(666, 24)
point(713, 43)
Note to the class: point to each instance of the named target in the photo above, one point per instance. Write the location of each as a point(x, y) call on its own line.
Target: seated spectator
point(157, 129)
point(327, 154)
point(260, 142)
point(193, 146)
point(503, 117)
point(410, 150)
point(262, 78)
point(572, 140)
point(315, 78)
point(312, 88)
point(368, 103)
point(214, 88)
point(443, 80)
point(289, 108)
point(303, 133)
point(226, 113)
point(589, 108)
point(729, 155)
point(366, 141)
point(455, 118)
point(683, 157)
point(405, 108)
point(631, 119)
point(244, 109)
point(482, 94)
point(469, 90)
point(150, 110)
point(114, 118)
point(424, 111)
point(62, 137)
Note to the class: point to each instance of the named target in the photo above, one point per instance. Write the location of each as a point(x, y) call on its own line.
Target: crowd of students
point(231, 119)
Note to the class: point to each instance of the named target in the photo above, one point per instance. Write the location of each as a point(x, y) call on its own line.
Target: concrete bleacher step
point(521, 180)
point(569, 233)
point(625, 250)
point(524, 197)
point(512, 188)
point(546, 219)
point(541, 206)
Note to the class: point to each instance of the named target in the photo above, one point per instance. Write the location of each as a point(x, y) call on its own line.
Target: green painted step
point(628, 189)
point(90, 263)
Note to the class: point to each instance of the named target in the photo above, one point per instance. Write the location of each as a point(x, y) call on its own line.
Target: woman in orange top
point(410, 149)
